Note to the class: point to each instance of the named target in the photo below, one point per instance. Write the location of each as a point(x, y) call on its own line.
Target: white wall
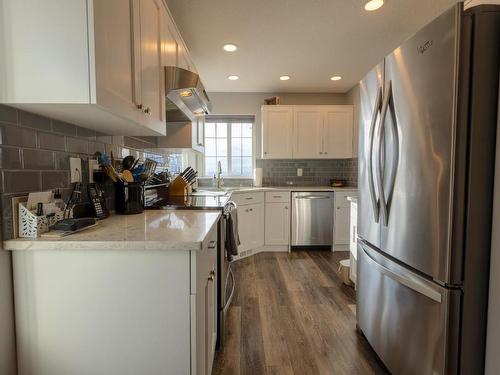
point(7, 336)
point(493, 331)
point(249, 103)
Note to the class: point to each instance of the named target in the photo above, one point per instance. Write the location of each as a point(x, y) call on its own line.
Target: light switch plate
point(75, 167)
point(299, 172)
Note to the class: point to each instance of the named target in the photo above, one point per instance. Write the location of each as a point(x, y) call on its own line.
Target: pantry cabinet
point(97, 64)
point(307, 132)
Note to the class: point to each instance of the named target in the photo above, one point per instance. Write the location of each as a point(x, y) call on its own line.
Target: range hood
point(186, 97)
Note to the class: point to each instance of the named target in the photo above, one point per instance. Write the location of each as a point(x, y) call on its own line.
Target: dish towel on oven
point(232, 235)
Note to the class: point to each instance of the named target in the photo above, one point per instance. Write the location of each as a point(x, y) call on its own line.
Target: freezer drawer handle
point(410, 282)
point(371, 186)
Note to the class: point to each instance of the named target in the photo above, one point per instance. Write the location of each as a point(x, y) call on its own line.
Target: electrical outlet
point(75, 167)
point(299, 172)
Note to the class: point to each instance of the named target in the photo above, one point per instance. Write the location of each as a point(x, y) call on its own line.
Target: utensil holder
point(129, 198)
point(178, 187)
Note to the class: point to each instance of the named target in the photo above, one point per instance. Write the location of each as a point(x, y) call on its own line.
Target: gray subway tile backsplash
point(10, 158)
point(21, 181)
point(35, 152)
point(34, 121)
point(8, 114)
point(280, 172)
point(38, 159)
point(13, 135)
point(54, 179)
point(50, 141)
point(78, 146)
point(63, 128)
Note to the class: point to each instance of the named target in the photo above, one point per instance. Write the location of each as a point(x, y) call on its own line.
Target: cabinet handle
point(249, 198)
point(320, 153)
point(338, 208)
point(211, 276)
point(286, 207)
point(140, 106)
point(147, 111)
point(212, 244)
point(326, 153)
point(250, 209)
point(276, 196)
point(265, 152)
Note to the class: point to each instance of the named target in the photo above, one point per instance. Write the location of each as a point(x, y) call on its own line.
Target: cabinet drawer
point(242, 199)
point(277, 196)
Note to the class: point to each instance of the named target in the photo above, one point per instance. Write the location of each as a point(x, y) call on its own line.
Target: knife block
point(178, 187)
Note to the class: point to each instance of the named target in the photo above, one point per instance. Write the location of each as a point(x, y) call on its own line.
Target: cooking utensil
point(128, 162)
point(149, 169)
point(127, 176)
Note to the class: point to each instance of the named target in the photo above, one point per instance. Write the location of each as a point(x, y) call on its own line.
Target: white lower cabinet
point(121, 312)
point(341, 220)
point(204, 308)
point(277, 222)
point(251, 226)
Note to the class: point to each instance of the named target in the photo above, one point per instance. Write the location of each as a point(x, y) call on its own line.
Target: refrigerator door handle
point(410, 280)
point(380, 164)
point(395, 151)
point(373, 198)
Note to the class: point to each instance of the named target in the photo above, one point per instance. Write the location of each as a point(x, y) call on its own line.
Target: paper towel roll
point(257, 177)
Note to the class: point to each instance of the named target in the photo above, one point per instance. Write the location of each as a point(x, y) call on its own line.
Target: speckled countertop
point(152, 230)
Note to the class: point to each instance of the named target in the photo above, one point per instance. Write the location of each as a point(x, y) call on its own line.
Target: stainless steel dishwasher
point(312, 218)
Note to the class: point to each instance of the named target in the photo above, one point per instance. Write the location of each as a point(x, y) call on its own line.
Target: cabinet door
point(307, 129)
point(152, 87)
point(257, 219)
point(251, 226)
point(114, 54)
point(277, 131)
point(277, 223)
point(341, 225)
point(337, 132)
point(168, 42)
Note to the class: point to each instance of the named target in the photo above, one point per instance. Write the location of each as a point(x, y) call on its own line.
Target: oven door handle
point(230, 299)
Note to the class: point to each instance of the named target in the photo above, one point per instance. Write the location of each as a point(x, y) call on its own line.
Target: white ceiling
point(310, 40)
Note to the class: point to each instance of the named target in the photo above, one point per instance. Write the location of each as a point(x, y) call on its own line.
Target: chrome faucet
point(219, 182)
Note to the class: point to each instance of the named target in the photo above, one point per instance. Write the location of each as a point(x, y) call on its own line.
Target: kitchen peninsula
point(135, 295)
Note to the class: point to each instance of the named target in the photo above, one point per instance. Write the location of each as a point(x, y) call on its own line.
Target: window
point(230, 141)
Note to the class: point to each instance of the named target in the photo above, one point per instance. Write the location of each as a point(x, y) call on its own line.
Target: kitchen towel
point(232, 234)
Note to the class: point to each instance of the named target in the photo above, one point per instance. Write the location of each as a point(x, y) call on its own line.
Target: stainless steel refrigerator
point(428, 122)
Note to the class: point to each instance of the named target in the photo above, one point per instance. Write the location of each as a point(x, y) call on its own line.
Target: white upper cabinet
point(314, 131)
point(337, 133)
point(152, 98)
point(97, 64)
point(277, 132)
point(308, 128)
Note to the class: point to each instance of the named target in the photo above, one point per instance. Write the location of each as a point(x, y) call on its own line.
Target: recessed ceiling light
point(230, 47)
point(373, 5)
point(336, 78)
point(233, 78)
point(284, 78)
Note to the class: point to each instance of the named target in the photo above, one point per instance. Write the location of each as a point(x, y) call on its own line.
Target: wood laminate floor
point(292, 315)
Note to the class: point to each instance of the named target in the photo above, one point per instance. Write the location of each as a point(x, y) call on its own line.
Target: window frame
point(230, 120)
